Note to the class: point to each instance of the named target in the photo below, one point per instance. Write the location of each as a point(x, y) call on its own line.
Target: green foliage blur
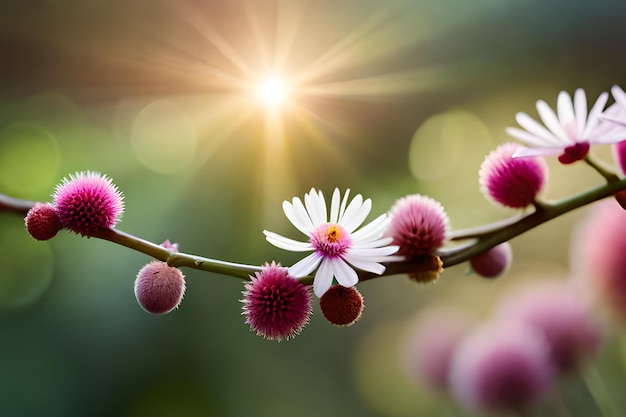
point(414, 94)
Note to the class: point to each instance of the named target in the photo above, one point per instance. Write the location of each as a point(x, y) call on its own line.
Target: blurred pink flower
point(561, 316)
point(509, 181)
point(598, 258)
point(570, 132)
point(87, 202)
point(431, 345)
point(336, 246)
point(276, 306)
point(419, 226)
point(501, 368)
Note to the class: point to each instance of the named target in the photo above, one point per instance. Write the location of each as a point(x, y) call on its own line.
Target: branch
point(480, 238)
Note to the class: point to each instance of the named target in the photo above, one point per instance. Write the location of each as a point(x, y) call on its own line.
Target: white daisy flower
point(336, 246)
point(570, 131)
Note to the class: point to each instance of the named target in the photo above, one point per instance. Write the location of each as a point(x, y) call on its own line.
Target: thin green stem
point(608, 175)
point(177, 259)
point(599, 392)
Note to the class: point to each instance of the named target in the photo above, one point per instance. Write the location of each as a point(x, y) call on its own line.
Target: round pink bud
point(501, 368)
point(88, 202)
point(493, 263)
point(342, 306)
point(561, 316)
point(276, 305)
point(512, 182)
point(419, 226)
point(159, 288)
point(42, 221)
point(433, 340)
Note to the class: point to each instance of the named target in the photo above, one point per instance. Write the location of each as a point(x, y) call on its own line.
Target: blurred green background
point(395, 97)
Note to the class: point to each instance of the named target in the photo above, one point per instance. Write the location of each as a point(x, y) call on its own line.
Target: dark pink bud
point(42, 221)
point(159, 288)
point(493, 263)
point(276, 305)
point(342, 306)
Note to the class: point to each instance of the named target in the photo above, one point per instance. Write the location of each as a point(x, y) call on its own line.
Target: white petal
point(356, 213)
point(580, 109)
point(374, 254)
point(372, 230)
point(565, 108)
point(594, 115)
point(305, 266)
point(316, 207)
point(527, 137)
point(532, 126)
point(619, 95)
point(334, 206)
point(345, 275)
point(297, 216)
point(375, 243)
point(524, 152)
point(342, 209)
point(323, 278)
point(366, 265)
point(551, 121)
point(286, 243)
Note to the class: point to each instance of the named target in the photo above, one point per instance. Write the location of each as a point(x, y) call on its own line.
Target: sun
point(273, 91)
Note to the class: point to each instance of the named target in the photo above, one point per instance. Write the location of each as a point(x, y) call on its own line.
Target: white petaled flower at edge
point(337, 246)
point(569, 132)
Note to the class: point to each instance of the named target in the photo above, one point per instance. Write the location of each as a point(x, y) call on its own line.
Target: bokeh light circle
point(442, 141)
point(29, 160)
point(27, 265)
point(164, 137)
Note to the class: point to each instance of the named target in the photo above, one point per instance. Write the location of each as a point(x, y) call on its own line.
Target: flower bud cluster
point(84, 203)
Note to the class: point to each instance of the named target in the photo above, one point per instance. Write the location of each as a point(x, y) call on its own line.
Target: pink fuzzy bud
point(159, 288)
point(512, 182)
point(276, 305)
point(88, 202)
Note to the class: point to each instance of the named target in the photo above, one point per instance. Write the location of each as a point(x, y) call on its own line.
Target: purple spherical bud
point(276, 305)
point(342, 306)
point(419, 226)
point(501, 369)
point(159, 288)
point(493, 263)
point(42, 221)
point(88, 202)
point(561, 316)
point(512, 182)
point(433, 340)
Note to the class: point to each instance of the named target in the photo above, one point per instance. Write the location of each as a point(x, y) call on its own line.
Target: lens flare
point(273, 91)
